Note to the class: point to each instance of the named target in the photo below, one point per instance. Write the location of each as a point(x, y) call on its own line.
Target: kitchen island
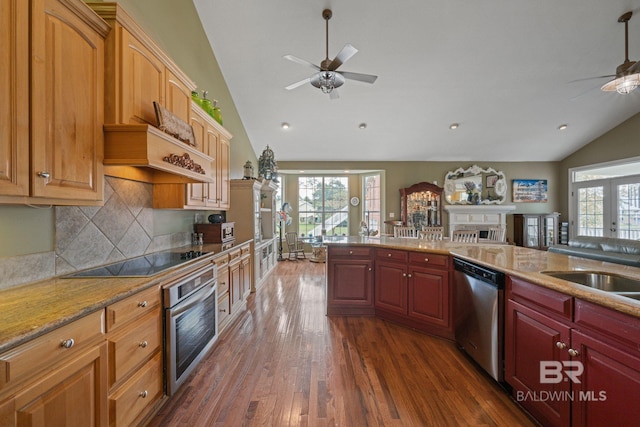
point(516, 261)
point(588, 336)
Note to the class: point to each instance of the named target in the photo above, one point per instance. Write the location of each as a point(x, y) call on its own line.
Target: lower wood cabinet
point(135, 373)
point(350, 280)
point(234, 272)
point(571, 362)
point(413, 288)
point(57, 379)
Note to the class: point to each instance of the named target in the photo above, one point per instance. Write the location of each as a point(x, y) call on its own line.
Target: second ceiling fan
point(327, 78)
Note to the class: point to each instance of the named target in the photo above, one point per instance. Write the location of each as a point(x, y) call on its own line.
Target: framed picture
point(530, 190)
point(491, 180)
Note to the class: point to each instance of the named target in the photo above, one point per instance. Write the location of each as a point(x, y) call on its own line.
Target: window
point(323, 205)
point(606, 201)
point(371, 204)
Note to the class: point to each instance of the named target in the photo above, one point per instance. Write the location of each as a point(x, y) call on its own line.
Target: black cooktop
point(142, 266)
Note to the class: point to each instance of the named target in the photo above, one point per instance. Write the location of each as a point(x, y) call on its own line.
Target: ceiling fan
point(327, 78)
point(627, 76)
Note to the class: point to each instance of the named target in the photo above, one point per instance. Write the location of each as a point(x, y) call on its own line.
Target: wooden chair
point(409, 232)
point(431, 233)
point(496, 234)
point(295, 245)
point(465, 236)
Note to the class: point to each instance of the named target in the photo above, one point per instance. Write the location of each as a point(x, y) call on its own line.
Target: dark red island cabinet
point(349, 280)
point(571, 362)
point(413, 289)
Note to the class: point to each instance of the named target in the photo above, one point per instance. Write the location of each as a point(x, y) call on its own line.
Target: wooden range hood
point(137, 151)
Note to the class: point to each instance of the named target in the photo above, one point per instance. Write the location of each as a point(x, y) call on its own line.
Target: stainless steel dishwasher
point(479, 314)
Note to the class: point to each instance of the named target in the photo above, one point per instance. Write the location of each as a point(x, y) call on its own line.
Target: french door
point(607, 208)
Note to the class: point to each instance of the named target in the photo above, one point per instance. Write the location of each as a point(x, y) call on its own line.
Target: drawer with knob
point(131, 401)
point(429, 259)
point(131, 346)
point(42, 353)
point(391, 255)
point(121, 312)
point(223, 310)
point(350, 251)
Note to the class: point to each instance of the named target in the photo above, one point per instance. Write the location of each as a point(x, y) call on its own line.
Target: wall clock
point(355, 201)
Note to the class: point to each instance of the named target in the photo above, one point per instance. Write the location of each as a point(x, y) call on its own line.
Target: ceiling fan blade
point(343, 56)
point(301, 62)
point(334, 94)
point(592, 78)
point(298, 84)
point(365, 78)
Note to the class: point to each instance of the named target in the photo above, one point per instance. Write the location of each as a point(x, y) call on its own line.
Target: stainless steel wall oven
point(191, 327)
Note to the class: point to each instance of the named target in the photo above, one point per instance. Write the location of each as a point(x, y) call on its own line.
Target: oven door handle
point(194, 299)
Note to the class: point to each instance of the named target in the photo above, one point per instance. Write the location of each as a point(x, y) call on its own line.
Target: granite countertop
point(525, 263)
point(30, 310)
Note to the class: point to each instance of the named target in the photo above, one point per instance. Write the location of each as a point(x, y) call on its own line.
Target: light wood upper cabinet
point(14, 102)
point(214, 141)
point(178, 98)
point(138, 80)
point(52, 102)
point(67, 104)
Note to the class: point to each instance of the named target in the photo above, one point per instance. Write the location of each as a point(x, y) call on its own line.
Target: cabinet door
point(429, 296)
point(178, 96)
point(391, 287)
point(235, 285)
point(532, 231)
point(197, 193)
point(222, 172)
point(531, 338)
point(609, 386)
point(211, 149)
point(549, 231)
point(14, 102)
point(74, 395)
point(67, 104)
point(349, 286)
point(141, 82)
point(245, 268)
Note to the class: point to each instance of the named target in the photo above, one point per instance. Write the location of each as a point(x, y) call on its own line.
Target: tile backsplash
point(86, 237)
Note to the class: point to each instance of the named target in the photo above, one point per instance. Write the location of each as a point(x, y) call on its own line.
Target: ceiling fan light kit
point(627, 77)
point(327, 78)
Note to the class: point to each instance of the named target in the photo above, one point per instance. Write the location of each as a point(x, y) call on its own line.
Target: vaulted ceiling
point(504, 70)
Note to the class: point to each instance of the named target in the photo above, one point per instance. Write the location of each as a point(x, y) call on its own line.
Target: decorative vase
point(216, 114)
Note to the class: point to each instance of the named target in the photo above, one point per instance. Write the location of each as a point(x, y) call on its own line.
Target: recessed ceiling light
point(453, 126)
point(362, 125)
point(285, 125)
point(346, 171)
point(301, 171)
point(563, 127)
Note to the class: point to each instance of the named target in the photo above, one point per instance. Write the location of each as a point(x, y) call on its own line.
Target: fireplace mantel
point(477, 217)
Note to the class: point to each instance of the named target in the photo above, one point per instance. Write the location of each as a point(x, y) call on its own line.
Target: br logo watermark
point(554, 372)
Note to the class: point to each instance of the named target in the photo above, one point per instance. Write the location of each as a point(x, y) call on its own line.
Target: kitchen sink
point(609, 282)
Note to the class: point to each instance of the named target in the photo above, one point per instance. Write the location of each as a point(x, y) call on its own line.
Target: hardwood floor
point(285, 363)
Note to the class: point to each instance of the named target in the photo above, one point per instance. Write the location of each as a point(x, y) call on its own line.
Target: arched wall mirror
point(475, 186)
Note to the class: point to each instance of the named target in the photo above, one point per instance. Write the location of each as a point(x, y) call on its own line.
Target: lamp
point(327, 81)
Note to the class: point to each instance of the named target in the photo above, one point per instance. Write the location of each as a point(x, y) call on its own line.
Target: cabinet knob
point(224, 310)
point(573, 353)
point(389, 255)
point(409, 275)
point(561, 345)
point(143, 394)
point(142, 304)
point(143, 344)
point(67, 343)
point(426, 260)
point(44, 174)
point(369, 268)
point(404, 274)
point(350, 252)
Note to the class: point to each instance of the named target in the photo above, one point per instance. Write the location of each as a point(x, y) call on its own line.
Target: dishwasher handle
point(479, 272)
